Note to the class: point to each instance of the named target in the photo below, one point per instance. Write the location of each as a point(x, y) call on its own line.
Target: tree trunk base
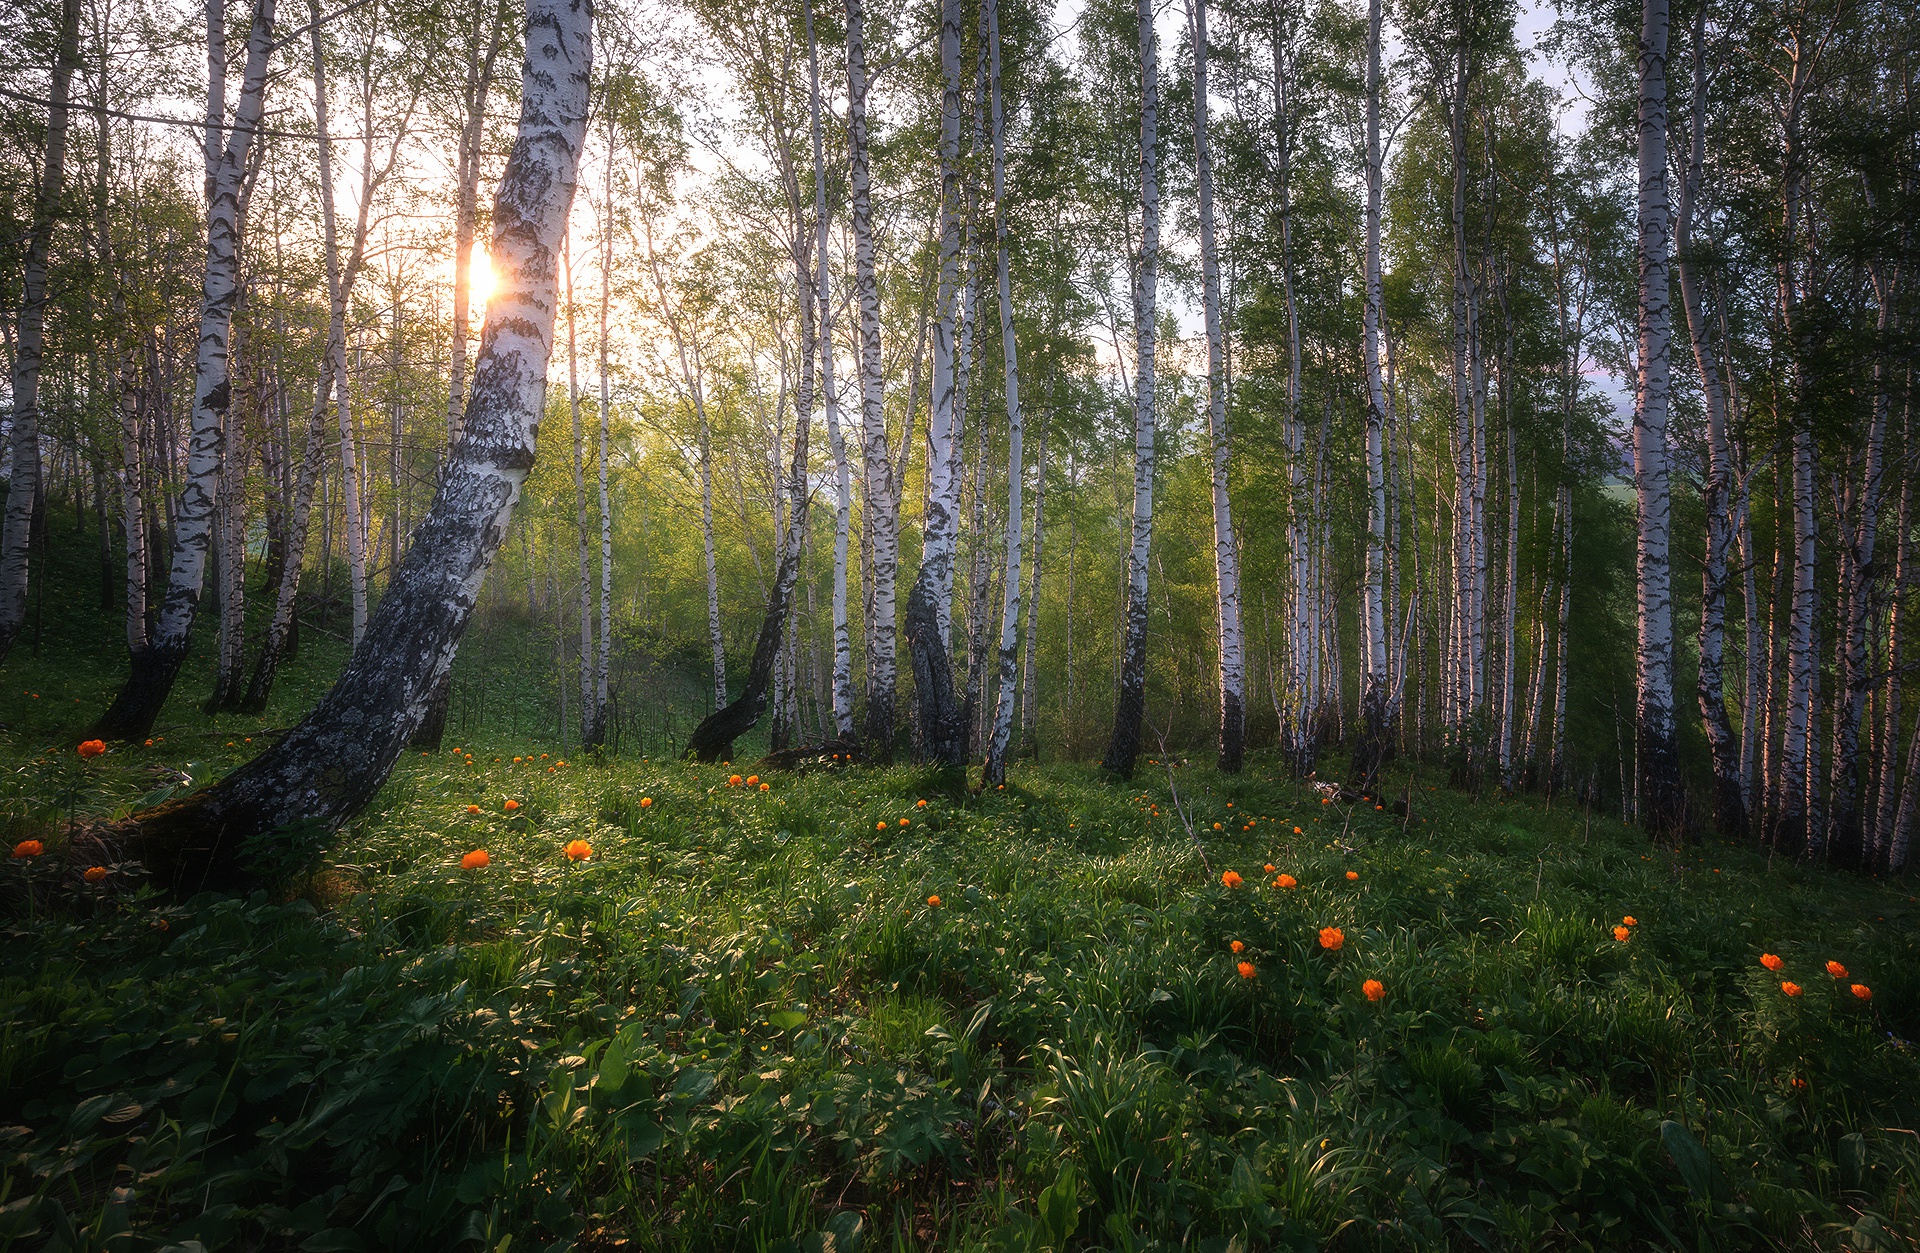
point(137, 706)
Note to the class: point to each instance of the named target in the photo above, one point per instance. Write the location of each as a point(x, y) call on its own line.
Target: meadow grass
point(865, 1008)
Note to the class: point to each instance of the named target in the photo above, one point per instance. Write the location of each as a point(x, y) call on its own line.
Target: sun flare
point(480, 277)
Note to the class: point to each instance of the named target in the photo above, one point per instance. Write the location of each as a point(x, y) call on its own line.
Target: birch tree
point(1376, 713)
point(327, 767)
point(998, 742)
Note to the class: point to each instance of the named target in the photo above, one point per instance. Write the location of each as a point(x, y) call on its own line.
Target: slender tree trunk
point(329, 765)
point(276, 648)
point(603, 658)
point(1376, 705)
point(154, 670)
point(29, 346)
point(1029, 736)
point(1000, 740)
point(1123, 746)
point(1662, 799)
point(842, 478)
point(593, 720)
point(1296, 733)
point(481, 56)
point(1792, 829)
point(942, 734)
point(132, 500)
point(882, 496)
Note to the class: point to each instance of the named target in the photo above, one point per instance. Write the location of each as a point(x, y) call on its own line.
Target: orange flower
point(510, 806)
point(1790, 988)
point(92, 748)
point(1836, 970)
point(1268, 867)
point(473, 809)
point(96, 873)
point(1238, 947)
point(1621, 934)
point(1246, 970)
point(1799, 1084)
point(920, 805)
point(1771, 961)
point(1286, 881)
point(646, 802)
point(1374, 989)
point(474, 860)
point(578, 850)
point(752, 779)
point(733, 780)
point(766, 787)
point(516, 761)
point(905, 823)
point(1231, 878)
point(28, 848)
point(1352, 875)
point(1862, 991)
point(1296, 830)
point(149, 744)
point(934, 901)
point(1216, 826)
point(880, 826)
point(1331, 938)
point(1631, 921)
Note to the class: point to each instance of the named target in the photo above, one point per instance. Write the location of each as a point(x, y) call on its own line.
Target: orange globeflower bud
point(473, 809)
point(646, 802)
point(1621, 934)
point(1296, 830)
point(1331, 938)
point(920, 804)
point(1238, 947)
point(1631, 921)
point(510, 806)
point(516, 761)
point(28, 848)
point(474, 860)
point(752, 779)
point(765, 787)
point(904, 822)
point(1862, 991)
point(881, 825)
point(1268, 867)
point(578, 850)
point(1286, 881)
point(934, 901)
point(1246, 970)
point(733, 780)
point(1352, 875)
point(1790, 988)
point(1373, 989)
point(1836, 970)
point(91, 748)
point(1231, 878)
point(96, 873)
point(1216, 826)
point(1771, 961)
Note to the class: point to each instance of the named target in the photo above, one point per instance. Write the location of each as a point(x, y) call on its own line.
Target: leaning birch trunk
point(156, 667)
point(1662, 801)
point(1375, 744)
point(278, 810)
point(882, 509)
point(942, 736)
point(1226, 549)
point(593, 719)
point(842, 477)
point(1123, 746)
point(16, 533)
point(1001, 738)
point(1729, 790)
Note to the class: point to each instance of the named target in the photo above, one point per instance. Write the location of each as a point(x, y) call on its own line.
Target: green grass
point(742, 1025)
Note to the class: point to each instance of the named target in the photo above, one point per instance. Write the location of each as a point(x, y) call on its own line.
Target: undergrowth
point(864, 1009)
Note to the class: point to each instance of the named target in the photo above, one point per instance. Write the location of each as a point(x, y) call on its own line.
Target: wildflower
point(1246, 970)
point(516, 761)
point(1621, 934)
point(1216, 826)
point(1631, 921)
point(767, 788)
point(510, 806)
point(1836, 970)
point(646, 802)
point(1771, 961)
point(1862, 991)
point(94, 874)
point(92, 748)
point(1268, 867)
point(28, 848)
point(1352, 875)
point(881, 825)
point(1296, 830)
point(1331, 938)
point(1238, 947)
point(578, 850)
point(933, 901)
point(1374, 989)
point(1286, 881)
point(905, 823)
point(920, 805)
point(752, 779)
point(733, 780)
point(1790, 987)
point(543, 756)
point(1799, 1084)
point(149, 744)
point(1231, 878)
point(559, 765)
point(473, 809)
point(474, 860)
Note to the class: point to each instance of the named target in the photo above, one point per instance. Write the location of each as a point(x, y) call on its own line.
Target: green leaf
point(788, 1019)
point(1059, 1206)
point(1689, 1157)
point(690, 1086)
point(1853, 1162)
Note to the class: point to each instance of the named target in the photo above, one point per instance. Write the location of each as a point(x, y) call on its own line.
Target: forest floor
point(864, 1008)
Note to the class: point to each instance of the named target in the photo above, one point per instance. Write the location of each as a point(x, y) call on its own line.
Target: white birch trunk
point(603, 657)
point(998, 742)
point(1376, 712)
point(592, 717)
point(1130, 706)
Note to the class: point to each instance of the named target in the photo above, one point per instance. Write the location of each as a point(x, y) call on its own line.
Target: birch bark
point(29, 345)
point(1123, 745)
point(154, 669)
point(593, 723)
point(995, 770)
point(1376, 708)
point(329, 765)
